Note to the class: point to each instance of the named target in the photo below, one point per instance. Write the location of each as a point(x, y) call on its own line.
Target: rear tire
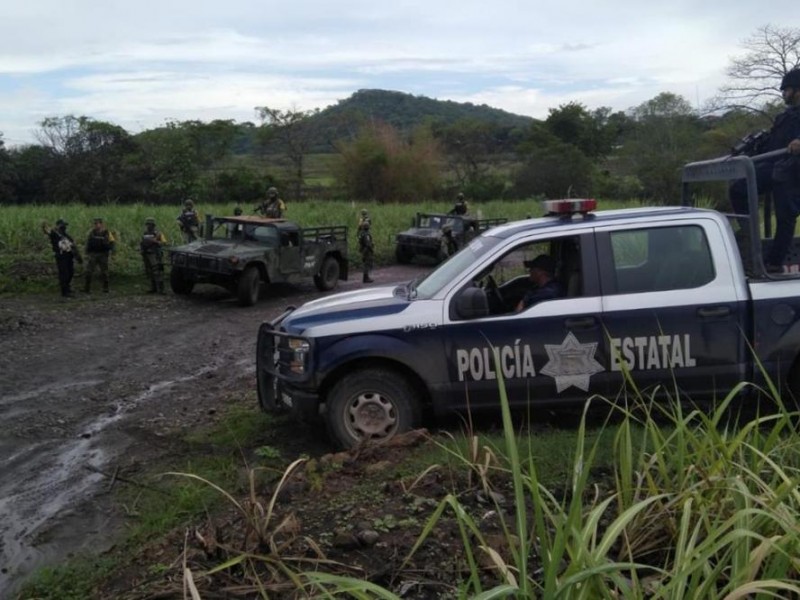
point(249, 287)
point(180, 283)
point(370, 404)
point(328, 275)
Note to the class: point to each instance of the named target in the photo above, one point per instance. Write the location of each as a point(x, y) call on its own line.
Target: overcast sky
point(139, 63)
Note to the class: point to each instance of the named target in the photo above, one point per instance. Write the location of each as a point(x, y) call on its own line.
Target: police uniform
point(780, 176)
point(151, 248)
point(66, 253)
point(99, 243)
point(367, 249)
point(546, 291)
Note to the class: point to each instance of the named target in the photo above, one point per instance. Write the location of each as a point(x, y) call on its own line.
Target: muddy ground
point(91, 385)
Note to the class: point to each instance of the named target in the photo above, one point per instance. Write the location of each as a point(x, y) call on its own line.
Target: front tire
point(179, 283)
point(370, 404)
point(328, 275)
point(249, 287)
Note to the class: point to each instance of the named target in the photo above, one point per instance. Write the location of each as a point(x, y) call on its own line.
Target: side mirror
point(472, 303)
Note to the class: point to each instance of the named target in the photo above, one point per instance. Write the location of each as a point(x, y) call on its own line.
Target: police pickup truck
point(657, 295)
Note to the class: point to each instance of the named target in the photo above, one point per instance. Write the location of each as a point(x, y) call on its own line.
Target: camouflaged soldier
point(189, 222)
point(273, 207)
point(151, 246)
point(449, 246)
point(460, 207)
point(363, 218)
point(99, 244)
point(66, 253)
point(366, 248)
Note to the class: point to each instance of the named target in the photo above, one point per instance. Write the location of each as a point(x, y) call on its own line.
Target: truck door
point(291, 251)
point(550, 353)
point(674, 309)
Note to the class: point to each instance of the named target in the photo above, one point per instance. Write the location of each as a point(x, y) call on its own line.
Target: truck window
point(661, 259)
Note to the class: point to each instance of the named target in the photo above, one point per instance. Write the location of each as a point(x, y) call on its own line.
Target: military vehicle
point(424, 238)
point(242, 252)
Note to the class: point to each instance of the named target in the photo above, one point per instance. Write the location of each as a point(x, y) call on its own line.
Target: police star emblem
point(571, 363)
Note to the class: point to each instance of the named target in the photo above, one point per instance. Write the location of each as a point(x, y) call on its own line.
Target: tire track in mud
point(88, 383)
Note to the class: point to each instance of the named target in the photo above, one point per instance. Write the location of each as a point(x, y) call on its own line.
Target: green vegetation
point(26, 260)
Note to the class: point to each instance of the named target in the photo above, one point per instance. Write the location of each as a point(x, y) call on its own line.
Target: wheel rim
point(371, 415)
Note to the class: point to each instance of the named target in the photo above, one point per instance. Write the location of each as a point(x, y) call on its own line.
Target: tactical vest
point(99, 241)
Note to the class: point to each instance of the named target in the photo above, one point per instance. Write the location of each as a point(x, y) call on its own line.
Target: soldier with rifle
point(66, 253)
point(780, 175)
point(151, 246)
point(189, 222)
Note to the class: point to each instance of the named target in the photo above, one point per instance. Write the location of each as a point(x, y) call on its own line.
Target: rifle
point(751, 144)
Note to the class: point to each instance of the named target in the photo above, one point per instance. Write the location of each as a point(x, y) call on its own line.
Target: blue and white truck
point(657, 294)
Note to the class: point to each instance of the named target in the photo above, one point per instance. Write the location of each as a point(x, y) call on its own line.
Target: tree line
point(394, 147)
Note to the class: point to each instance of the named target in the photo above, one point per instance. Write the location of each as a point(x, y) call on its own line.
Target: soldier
point(100, 242)
point(189, 222)
point(781, 175)
point(449, 246)
point(363, 218)
point(66, 253)
point(367, 249)
point(152, 255)
point(460, 207)
point(273, 207)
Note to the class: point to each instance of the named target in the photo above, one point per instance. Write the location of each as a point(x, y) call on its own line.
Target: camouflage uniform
point(273, 207)
point(153, 256)
point(449, 246)
point(367, 249)
point(66, 252)
point(100, 242)
point(460, 207)
point(189, 222)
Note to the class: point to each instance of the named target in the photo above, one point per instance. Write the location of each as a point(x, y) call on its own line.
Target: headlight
point(299, 355)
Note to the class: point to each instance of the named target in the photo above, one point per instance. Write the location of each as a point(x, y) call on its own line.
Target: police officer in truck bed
point(780, 176)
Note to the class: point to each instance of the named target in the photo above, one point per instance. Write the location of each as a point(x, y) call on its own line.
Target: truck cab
point(655, 301)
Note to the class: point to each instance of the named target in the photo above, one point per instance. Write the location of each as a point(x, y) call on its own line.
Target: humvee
point(425, 235)
point(242, 252)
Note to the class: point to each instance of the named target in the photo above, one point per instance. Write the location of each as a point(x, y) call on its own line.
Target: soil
point(92, 387)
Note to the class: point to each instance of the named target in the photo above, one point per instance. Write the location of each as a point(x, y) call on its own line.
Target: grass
point(26, 259)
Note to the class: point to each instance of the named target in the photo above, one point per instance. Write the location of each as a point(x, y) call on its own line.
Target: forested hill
point(402, 111)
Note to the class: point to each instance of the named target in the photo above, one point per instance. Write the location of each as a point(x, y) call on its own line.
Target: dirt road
point(97, 382)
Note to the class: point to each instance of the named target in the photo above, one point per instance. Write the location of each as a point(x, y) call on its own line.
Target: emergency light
point(569, 207)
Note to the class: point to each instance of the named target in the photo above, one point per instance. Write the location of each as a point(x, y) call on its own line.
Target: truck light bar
point(569, 207)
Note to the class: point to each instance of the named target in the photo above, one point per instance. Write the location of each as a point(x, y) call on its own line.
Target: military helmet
point(150, 221)
point(460, 197)
point(272, 191)
point(364, 212)
point(188, 203)
point(98, 220)
point(237, 211)
point(61, 223)
point(791, 79)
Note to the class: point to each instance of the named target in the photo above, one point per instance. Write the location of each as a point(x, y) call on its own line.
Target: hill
point(398, 109)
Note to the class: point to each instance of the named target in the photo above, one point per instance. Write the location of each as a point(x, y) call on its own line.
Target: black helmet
point(272, 191)
point(150, 221)
point(791, 79)
point(460, 196)
point(237, 211)
point(61, 223)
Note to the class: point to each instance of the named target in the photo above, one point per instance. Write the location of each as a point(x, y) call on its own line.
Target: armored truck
point(424, 238)
point(242, 252)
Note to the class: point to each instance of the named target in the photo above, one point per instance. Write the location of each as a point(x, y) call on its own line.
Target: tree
point(89, 163)
point(666, 136)
point(551, 167)
point(289, 127)
point(380, 165)
point(7, 175)
point(755, 77)
point(594, 133)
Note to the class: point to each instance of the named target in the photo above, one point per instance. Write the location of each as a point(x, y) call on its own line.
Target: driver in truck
point(541, 271)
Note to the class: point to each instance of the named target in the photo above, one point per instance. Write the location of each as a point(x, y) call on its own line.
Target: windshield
point(454, 267)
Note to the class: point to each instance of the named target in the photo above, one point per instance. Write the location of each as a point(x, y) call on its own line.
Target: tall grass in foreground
point(695, 509)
